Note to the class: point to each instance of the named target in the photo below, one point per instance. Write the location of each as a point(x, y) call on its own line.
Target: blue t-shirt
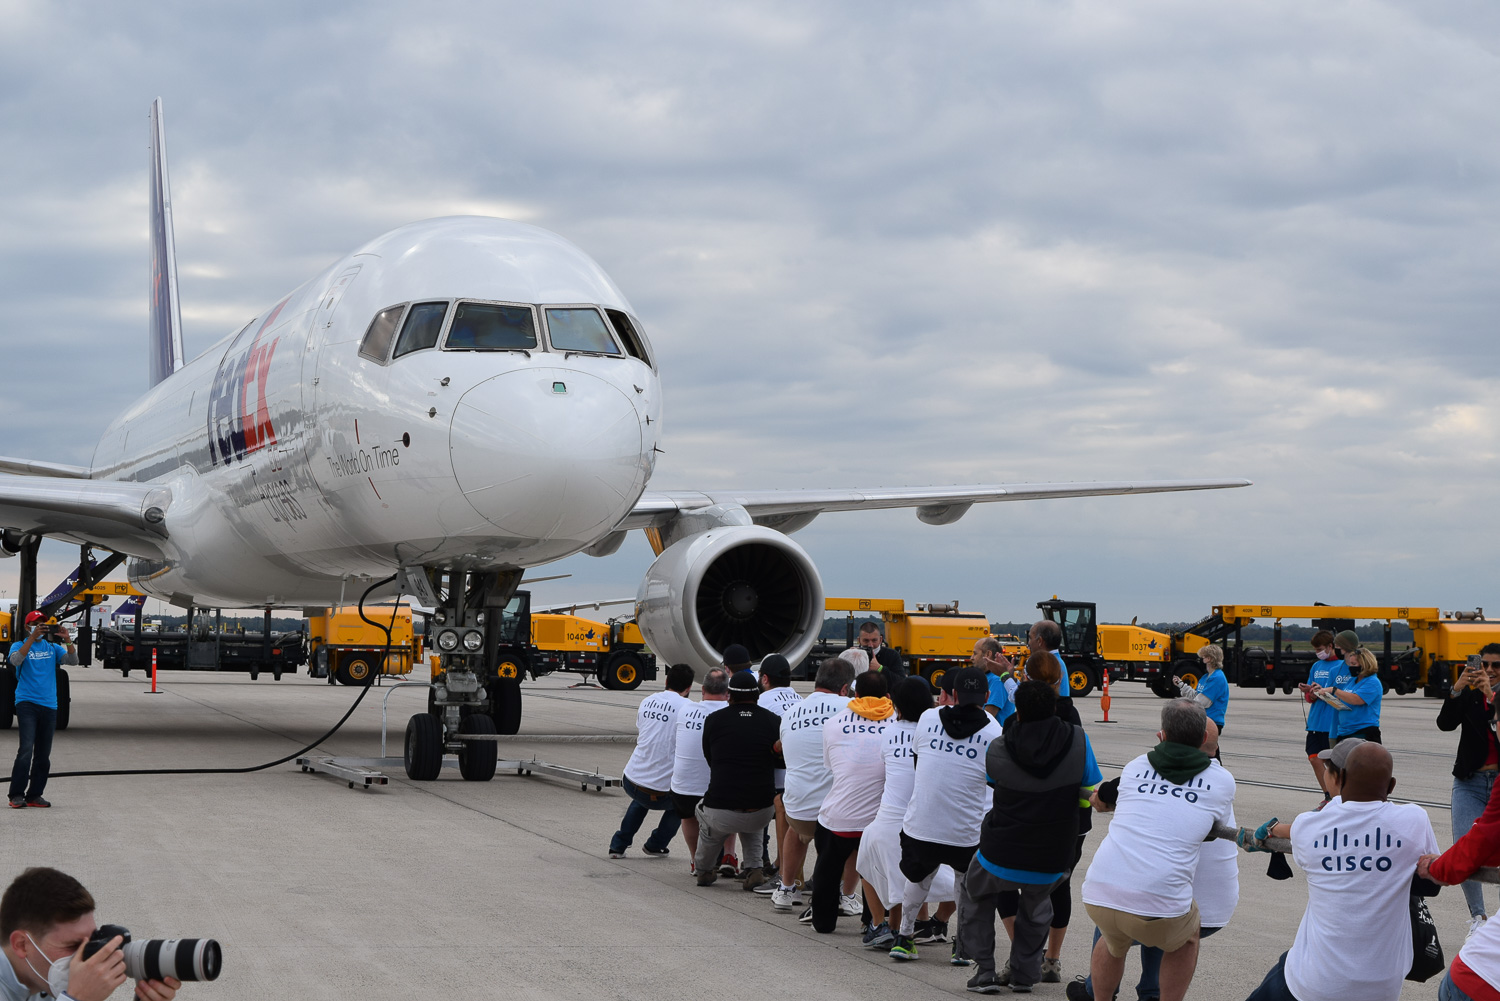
point(36, 679)
point(1359, 717)
point(1214, 685)
point(1319, 713)
point(1091, 778)
point(1064, 689)
point(1000, 699)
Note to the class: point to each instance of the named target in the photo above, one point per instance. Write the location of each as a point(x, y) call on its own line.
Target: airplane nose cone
point(548, 453)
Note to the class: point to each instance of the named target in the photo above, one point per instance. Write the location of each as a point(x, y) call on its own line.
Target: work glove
point(1255, 841)
point(1109, 792)
point(1184, 689)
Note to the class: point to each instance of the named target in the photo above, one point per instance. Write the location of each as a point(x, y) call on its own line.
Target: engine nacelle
point(738, 584)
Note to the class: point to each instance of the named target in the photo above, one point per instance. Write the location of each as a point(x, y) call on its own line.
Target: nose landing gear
point(476, 689)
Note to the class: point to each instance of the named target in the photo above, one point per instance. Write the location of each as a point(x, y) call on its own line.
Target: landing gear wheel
point(64, 699)
point(476, 758)
point(624, 672)
point(7, 697)
point(1080, 683)
point(424, 748)
point(506, 702)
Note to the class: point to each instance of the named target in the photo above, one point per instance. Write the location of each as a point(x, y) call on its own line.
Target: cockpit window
point(482, 326)
point(377, 342)
point(421, 329)
point(635, 344)
point(579, 328)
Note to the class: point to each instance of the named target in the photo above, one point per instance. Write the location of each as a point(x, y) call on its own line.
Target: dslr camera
point(159, 958)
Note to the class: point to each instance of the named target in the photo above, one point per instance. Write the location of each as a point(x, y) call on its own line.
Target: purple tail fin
point(165, 316)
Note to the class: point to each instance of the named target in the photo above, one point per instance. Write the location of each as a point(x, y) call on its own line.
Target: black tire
point(358, 669)
point(1162, 687)
point(505, 701)
point(626, 671)
point(7, 697)
point(64, 699)
point(476, 758)
point(1287, 689)
point(424, 748)
point(935, 675)
point(1080, 682)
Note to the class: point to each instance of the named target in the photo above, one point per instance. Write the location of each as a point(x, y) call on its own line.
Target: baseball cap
point(971, 686)
point(1347, 640)
point(776, 666)
point(743, 681)
point(944, 682)
point(1337, 755)
point(34, 617)
point(736, 657)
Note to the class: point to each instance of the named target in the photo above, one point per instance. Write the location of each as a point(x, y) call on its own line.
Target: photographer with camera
point(36, 662)
point(54, 950)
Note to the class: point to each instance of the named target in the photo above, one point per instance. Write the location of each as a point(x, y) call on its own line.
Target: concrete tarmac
point(464, 890)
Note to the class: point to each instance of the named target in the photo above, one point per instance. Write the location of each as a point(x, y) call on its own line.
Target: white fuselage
point(296, 464)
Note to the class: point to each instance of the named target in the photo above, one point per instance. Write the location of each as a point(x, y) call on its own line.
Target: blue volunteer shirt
point(36, 680)
point(1359, 717)
point(1000, 699)
point(1320, 714)
point(1064, 686)
point(1214, 685)
point(1091, 778)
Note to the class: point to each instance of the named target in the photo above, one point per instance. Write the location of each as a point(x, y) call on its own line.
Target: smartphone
point(1475, 664)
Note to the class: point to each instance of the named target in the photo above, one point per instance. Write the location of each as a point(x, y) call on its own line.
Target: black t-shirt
point(739, 744)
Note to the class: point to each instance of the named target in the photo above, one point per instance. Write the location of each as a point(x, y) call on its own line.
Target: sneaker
point(772, 870)
point(932, 932)
point(782, 899)
point(1002, 975)
point(1020, 988)
point(1474, 925)
point(806, 916)
point(957, 958)
point(617, 854)
point(850, 905)
point(753, 878)
point(692, 868)
point(650, 852)
point(729, 866)
point(707, 878)
point(904, 949)
point(1051, 970)
point(982, 983)
point(38, 801)
point(800, 896)
point(1078, 990)
point(879, 937)
point(18, 802)
point(769, 887)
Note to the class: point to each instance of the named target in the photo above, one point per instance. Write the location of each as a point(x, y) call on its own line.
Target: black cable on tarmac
point(364, 690)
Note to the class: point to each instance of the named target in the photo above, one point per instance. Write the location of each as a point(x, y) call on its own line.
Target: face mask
point(57, 972)
point(1324, 655)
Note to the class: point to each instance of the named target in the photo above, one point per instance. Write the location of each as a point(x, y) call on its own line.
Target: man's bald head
point(1367, 774)
point(1210, 745)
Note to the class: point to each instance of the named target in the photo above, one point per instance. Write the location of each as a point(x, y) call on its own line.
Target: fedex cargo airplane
point(454, 402)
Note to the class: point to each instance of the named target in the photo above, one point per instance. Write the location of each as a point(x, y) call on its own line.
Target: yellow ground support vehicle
point(1440, 644)
point(614, 651)
point(931, 639)
point(343, 647)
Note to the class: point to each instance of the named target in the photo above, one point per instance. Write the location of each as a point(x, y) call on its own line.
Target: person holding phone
point(36, 661)
point(1362, 697)
point(1470, 709)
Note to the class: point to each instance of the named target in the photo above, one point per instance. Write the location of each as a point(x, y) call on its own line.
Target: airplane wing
point(35, 467)
point(789, 510)
point(126, 517)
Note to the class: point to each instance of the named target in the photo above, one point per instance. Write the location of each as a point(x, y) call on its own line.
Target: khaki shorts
point(805, 829)
point(1121, 930)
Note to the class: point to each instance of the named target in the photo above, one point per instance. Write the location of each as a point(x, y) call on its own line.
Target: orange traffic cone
point(1104, 700)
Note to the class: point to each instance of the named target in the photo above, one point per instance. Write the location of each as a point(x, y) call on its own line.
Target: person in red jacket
point(1475, 973)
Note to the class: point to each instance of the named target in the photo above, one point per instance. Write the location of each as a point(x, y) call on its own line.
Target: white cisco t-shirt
point(1354, 943)
point(951, 794)
point(852, 747)
point(807, 777)
point(1146, 862)
point(689, 766)
point(651, 764)
point(1216, 882)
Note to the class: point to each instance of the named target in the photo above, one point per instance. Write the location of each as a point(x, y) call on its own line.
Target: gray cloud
point(873, 244)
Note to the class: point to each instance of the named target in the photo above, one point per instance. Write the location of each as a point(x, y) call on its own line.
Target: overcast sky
point(873, 244)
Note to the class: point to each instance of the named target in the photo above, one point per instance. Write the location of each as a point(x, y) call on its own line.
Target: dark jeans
point(1274, 987)
point(34, 757)
point(828, 877)
point(643, 801)
point(1149, 986)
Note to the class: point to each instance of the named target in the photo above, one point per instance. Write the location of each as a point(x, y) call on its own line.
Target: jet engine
point(738, 584)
